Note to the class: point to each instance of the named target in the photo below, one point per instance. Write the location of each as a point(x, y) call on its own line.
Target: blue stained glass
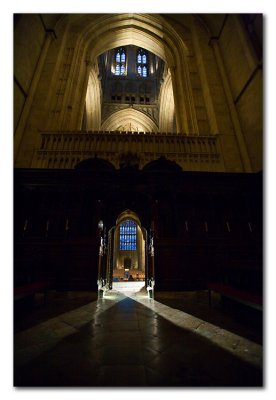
point(142, 63)
point(128, 235)
point(120, 60)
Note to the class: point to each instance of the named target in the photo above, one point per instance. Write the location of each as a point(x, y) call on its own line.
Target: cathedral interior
point(138, 190)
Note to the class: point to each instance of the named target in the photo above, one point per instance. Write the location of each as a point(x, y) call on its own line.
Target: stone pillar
point(233, 112)
point(89, 65)
point(131, 61)
point(180, 112)
point(50, 35)
point(204, 83)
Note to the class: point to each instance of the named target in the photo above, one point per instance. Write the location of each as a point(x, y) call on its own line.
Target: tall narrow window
point(142, 63)
point(128, 235)
point(120, 61)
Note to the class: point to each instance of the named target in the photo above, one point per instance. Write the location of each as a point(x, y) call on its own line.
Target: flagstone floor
point(129, 340)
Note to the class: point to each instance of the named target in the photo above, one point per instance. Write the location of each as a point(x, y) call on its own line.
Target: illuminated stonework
point(204, 89)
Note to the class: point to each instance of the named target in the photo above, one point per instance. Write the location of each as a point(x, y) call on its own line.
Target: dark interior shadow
point(32, 311)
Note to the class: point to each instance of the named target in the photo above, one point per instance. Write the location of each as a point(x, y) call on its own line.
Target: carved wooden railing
point(66, 149)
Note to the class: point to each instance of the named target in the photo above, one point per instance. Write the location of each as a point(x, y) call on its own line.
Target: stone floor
point(128, 340)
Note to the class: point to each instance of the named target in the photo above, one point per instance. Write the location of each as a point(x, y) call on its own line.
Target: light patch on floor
point(34, 341)
point(241, 347)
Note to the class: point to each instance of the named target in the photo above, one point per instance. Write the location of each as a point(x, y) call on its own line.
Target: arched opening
point(154, 35)
point(129, 250)
point(123, 259)
point(129, 78)
point(128, 261)
point(129, 120)
point(150, 32)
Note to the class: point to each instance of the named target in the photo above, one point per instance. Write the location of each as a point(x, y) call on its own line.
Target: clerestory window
point(142, 63)
point(128, 235)
point(120, 61)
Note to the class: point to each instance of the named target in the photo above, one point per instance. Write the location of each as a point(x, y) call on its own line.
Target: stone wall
point(216, 77)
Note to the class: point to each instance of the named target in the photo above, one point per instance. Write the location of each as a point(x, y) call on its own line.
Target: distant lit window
point(142, 63)
point(128, 235)
point(120, 61)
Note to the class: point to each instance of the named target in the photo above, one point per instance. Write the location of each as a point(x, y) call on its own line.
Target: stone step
point(135, 286)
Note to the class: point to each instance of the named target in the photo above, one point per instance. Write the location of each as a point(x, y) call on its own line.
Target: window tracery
point(142, 63)
point(120, 61)
point(128, 235)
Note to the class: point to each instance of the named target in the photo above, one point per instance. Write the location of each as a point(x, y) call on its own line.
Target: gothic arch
point(166, 112)
point(93, 103)
point(129, 120)
point(128, 214)
point(148, 31)
point(162, 165)
point(136, 257)
point(95, 164)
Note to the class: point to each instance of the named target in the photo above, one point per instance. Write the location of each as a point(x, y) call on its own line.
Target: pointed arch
point(148, 31)
point(167, 109)
point(93, 102)
point(129, 119)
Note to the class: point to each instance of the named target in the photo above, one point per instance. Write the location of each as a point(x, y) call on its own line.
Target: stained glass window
point(120, 61)
point(128, 235)
point(142, 63)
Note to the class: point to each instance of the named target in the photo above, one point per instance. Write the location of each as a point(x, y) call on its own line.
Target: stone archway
point(72, 55)
point(129, 120)
point(150, 31)
point(129, 249)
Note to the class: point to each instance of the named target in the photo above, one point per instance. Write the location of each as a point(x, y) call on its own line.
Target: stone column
point(50, 35)
point(180, 112)
point(204, 83)
point(233, 112)
point(89, 65)
point(131, 62)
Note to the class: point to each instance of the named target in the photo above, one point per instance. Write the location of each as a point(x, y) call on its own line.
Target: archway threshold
point(127, 287)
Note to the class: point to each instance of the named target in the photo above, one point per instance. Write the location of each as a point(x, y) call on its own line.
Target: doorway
point(124, 258)
point(127, 262)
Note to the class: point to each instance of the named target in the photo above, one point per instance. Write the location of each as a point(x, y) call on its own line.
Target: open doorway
point(129, 249)
point(127, 261)
point(124, 256)
point(126, 253)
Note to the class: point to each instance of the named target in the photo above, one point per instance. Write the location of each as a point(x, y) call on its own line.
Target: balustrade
point(191, 152)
